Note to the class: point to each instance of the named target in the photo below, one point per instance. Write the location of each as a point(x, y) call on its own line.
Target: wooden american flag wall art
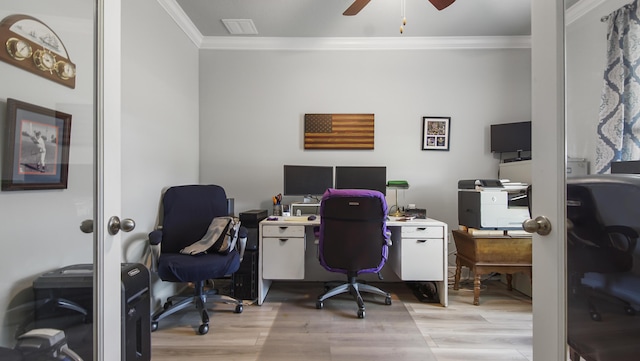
point(338, 131)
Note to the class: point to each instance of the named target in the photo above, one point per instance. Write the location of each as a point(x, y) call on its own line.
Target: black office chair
point(187, 212)
point(353, 239)
point(602, 219)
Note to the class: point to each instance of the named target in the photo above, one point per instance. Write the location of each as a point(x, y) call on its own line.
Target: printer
point(488, 204)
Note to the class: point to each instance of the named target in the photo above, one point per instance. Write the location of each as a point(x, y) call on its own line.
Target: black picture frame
point(36, 150)
point(436, 133)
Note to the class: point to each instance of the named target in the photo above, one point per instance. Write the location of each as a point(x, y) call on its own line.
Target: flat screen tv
point(511, 137)
point(362, 177)
point(306, 180)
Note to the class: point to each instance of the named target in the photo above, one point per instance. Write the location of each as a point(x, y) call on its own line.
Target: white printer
point(488, 204)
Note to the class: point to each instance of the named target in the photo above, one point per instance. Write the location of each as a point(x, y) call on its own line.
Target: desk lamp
point(395, 185)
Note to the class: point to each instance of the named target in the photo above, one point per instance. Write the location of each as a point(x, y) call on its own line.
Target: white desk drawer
point(422, 232)
point(421, 259)
point(285, 258)
point(283, 231)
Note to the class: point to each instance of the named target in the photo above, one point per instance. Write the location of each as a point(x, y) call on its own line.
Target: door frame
point(107, 182)
point(548, 176)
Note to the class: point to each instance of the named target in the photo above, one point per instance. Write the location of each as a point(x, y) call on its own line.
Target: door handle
point(87, 226)
point(540, 225)
point(115, 225)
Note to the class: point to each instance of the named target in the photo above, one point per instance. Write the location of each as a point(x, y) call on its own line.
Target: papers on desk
point(513, 186)
point(495, 232)
point(486, 232)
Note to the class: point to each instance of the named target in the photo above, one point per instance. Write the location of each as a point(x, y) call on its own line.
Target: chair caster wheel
point(595, 316)
point(319, 305)
point(360, 313)
point(203, 329)
point(630, 311)
point(154, 326)
point(239, 309)
point(387, 300)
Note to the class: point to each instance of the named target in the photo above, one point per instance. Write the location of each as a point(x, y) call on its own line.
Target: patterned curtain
point(619, 126)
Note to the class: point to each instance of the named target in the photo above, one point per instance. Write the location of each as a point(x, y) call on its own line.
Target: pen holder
point(277, 209)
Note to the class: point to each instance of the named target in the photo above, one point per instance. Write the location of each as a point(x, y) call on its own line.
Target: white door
point(548, 179)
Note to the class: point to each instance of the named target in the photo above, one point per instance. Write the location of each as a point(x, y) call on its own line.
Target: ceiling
point(380, 18)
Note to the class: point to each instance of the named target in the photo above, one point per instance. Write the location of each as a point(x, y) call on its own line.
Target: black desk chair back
point(353, 239)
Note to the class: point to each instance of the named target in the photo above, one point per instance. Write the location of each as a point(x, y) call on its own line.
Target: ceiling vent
point(240, 26)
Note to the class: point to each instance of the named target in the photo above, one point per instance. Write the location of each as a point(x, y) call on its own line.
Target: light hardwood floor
point(289, 327)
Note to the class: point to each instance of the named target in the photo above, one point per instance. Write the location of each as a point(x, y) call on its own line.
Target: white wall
point(40, 229)
point(253, 103)
point(160, 120)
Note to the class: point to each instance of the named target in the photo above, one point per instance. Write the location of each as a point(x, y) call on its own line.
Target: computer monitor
point(305, 180)
point(362, 177)
point(511, 137)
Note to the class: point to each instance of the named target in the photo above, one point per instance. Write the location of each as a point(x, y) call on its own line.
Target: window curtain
point(619, 124)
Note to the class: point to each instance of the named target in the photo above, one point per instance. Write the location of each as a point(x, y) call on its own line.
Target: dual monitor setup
point(312, 181)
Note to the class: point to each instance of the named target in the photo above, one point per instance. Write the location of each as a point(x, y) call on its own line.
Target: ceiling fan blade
point(441, 4)
point(355, 7)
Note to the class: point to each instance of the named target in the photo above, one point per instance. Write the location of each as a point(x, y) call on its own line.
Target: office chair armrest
point(623, 230)
point(242, 241)
point(155, 237)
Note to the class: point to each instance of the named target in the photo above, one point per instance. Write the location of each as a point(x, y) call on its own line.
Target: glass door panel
point(47, 202)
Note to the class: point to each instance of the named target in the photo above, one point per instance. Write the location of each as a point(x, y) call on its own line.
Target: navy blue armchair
point(353, 239)
point(187, 212)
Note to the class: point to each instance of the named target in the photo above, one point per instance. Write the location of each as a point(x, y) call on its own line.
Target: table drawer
point(285, 258)
point(422, 232)
point(283, 231)
point(420, 259)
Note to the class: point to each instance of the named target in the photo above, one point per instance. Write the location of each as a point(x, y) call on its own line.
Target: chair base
point(199, 299)
point(354, 288)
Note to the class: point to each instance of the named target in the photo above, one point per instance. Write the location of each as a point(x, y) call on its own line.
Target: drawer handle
point(284, 239)
point(422, 228)
point(283, 227)
point(422, 241)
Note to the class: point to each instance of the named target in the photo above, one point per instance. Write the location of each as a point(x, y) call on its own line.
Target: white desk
point(418, 253)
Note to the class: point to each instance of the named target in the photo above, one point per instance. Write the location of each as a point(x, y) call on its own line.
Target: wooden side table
point(483, 255)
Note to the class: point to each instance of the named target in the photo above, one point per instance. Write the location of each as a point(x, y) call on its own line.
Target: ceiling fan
point(360, 4)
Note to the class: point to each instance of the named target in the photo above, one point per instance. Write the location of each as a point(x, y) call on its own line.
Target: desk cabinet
point(416, 255)
point(284, 246)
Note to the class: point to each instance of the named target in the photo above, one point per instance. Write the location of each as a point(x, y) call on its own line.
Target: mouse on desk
point(311, 217)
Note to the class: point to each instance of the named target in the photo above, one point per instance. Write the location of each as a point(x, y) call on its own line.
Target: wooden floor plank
point(289, 327)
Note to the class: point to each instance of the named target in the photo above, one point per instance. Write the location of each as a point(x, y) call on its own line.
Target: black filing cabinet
point(64, 300)
point(245, 280)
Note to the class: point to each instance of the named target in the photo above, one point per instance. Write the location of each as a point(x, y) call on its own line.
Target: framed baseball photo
point(36, 151)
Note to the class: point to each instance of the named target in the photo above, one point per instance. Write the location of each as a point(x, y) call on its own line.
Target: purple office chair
point(353, 239)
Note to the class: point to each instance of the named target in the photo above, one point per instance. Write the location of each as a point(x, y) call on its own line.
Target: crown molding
point(365, 43)
point(580, 9)
point(338, 43)
point(184, 22)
